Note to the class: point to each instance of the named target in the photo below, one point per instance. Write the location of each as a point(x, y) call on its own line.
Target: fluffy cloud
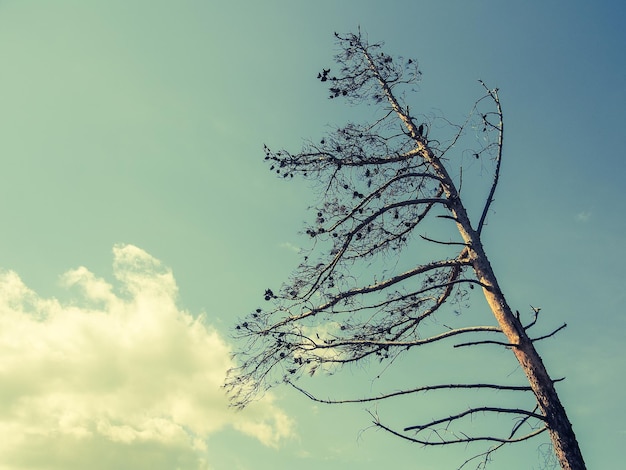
point(118, 378)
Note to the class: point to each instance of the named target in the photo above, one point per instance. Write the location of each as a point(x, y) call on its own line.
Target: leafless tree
point(387, 187)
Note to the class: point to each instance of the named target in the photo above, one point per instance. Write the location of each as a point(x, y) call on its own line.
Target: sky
point(140, 222)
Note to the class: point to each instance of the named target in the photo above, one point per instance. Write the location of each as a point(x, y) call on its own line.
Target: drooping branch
point(426, 388)
point(387, 283)
point(462, 440)
point(485, 456)
point(471, 411)
point(338, 343)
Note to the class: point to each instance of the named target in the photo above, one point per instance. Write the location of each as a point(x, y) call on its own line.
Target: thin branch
point(471, 411)
point(459, 441)
point(536, 311)
point(474, 343)
point(494, 94)
point(418, 342)
point(493, 449)
point(381, 189)
point(325, 272)
point(426, 388)
point(550, 334)
point(373, 288)
point(440, 242)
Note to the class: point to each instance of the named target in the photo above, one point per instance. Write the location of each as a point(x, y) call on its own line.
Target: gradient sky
point(139, 220)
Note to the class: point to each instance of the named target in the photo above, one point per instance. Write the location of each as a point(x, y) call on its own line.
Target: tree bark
point(561, 432)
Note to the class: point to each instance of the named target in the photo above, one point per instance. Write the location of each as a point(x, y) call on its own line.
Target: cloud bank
point(117, 378)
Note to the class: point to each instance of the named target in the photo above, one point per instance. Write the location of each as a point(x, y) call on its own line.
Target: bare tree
point(384, 185)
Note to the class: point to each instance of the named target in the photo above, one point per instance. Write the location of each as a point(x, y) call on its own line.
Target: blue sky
point(139, 220)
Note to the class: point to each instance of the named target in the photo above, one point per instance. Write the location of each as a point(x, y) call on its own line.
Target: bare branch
point(372, 288)
point(406, 344)
point(550, 334)
point(487, 454)
point(424, 237)
point(471, 411)
point(496, 176)
point(475, 343)
point(425, 388)
point(536, 311)
point(465, 440)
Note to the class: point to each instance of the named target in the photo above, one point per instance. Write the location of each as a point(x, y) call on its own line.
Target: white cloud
point(117, 378)
point(291, 247)
point(583, 216)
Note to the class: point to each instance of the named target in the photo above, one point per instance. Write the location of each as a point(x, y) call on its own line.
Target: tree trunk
point(561, 432)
